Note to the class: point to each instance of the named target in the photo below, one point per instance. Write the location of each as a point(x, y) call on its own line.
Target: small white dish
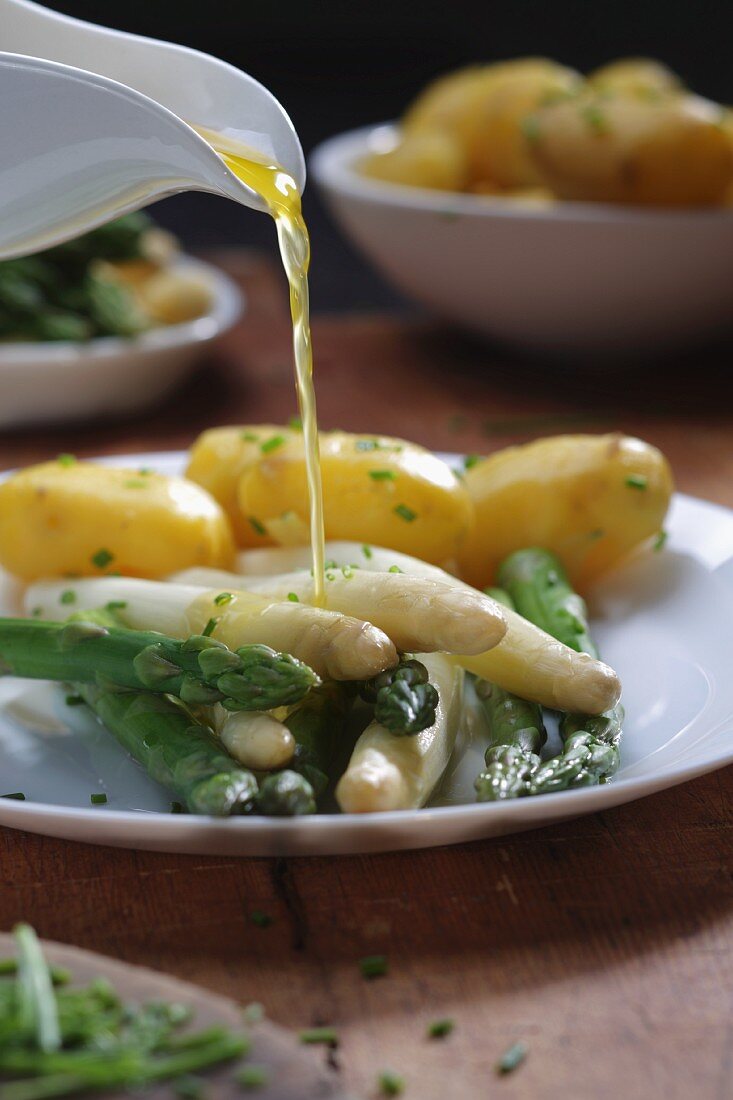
point(44, 383)
point(565, 278)
point(663, 621)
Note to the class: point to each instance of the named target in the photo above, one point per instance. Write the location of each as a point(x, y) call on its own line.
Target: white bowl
point(43, 383)
point(569, 277)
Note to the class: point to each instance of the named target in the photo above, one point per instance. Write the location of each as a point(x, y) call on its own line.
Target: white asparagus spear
point(527, 661)
point(336, 646)
point(420, 615)
point(391, 772)
point(254, 738)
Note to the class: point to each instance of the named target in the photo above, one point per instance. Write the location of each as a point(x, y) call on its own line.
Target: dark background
point(335, 66)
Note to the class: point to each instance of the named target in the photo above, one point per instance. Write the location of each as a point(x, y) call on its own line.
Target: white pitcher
point(95, 123)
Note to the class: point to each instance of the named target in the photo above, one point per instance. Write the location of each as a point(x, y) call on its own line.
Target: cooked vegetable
point(623, 148)
point(527, 661)
point(199, 670)
point(69, 518)
point(259, 741)
point(432, 159)
point(517, 734)
point(591, 499)
point(388, 771)
point(285, 794)
point(316, 725)
point(100, 1043)
point(175, 750)
point(541, 590)
point(337, 646)
point(419, 614)
point(374, 487)
point(638, 76)
point(404, 699)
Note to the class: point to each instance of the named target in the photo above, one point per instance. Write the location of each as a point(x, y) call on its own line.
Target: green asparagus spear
point(285, 794)
point(517, 735)
point(315, 724)
point(199, 670)
point(404, 699)
point(542, 592)
point(538, 584)
point(176, 751)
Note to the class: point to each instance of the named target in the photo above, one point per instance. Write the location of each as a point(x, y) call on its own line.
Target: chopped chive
point(530, 127)
point(293, 597)
point(177, 807)
point(660, 540)
point(102, 558)
point(595, 118)
point(315, 1035)
point(68, 596)
point(382, 475)
point(295, 423)
point(252, 1077)
point(17, 796)
point(395, 569)
point(330, 576)
point(405, 513)
point(374, 966)
point(470, 461)
point(136, 483)
point(253, 1013)
point(249, 437)
point(367, 552)
point(390, 1083)
point(37, 612)
point(211, 626)
point(636, 481)
point(74, 701)
point(262, 920)
point(257, 527)
point(439, 1029)
point(348, 571)
point(99, 799)
point(115, 605)
point(272, 444)
point(511, 1059)
point(66, 460)
point(223, 598)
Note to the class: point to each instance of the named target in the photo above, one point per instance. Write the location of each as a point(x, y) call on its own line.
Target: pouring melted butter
point(280, 192)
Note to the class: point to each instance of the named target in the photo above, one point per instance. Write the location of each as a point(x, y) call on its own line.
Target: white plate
point(663, 621)
point(43, 383)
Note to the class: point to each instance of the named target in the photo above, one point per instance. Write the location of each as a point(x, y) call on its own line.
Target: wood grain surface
point(604, 944)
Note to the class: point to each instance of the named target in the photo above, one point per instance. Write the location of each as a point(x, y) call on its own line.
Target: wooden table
point(604, 943)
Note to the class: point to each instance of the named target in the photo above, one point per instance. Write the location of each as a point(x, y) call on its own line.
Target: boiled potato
point(589, 498)
point(498, 146)
point(636, 76)
point(172, 297)
point(375, 489)
point(76, 518)
point(670, 152)
point(218, 459)
point(448, 103)
point(431, 159)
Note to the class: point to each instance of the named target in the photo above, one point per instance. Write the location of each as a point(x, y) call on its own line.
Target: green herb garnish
point(405, 513)
point(470, 461)
point(367, 552)
point(660, 541)
point(223, 598)
point(295, 423)
point(102, 558)
point(249, 437)
point(74, 701)
point(390, 1083)
point(211, 626)
point(252, 1077)
point(67, 460)
point(98, 799)
point(68, 596)
point(395, 569)
point(439, 1029)
point(636, 481)
point(115, 605)
point(328, 1036)
point(511, 1059)
point(293, 597)
point(382, 475)
point(272, 444)
point(374, 966)
point(257, 527)
point(16, 796)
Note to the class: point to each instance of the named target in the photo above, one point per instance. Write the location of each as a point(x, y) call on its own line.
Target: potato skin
point(217, 460)
point(55, 517)
point(570, 494)
point(624, 149)
point(638, 76)
point(361, 507)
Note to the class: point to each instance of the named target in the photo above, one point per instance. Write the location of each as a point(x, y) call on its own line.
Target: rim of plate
point(529, 809)
point(227, 304)
point(333, 166)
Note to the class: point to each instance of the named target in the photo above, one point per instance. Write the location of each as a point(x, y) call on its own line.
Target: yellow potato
point(619, 148)
point(449, 102)
point(637, 76)
point(172, 297)
point(498, 146)
point(78, 518)
point(431, 159)
point(376, 489)
point(217, 461)
point(590, 498)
